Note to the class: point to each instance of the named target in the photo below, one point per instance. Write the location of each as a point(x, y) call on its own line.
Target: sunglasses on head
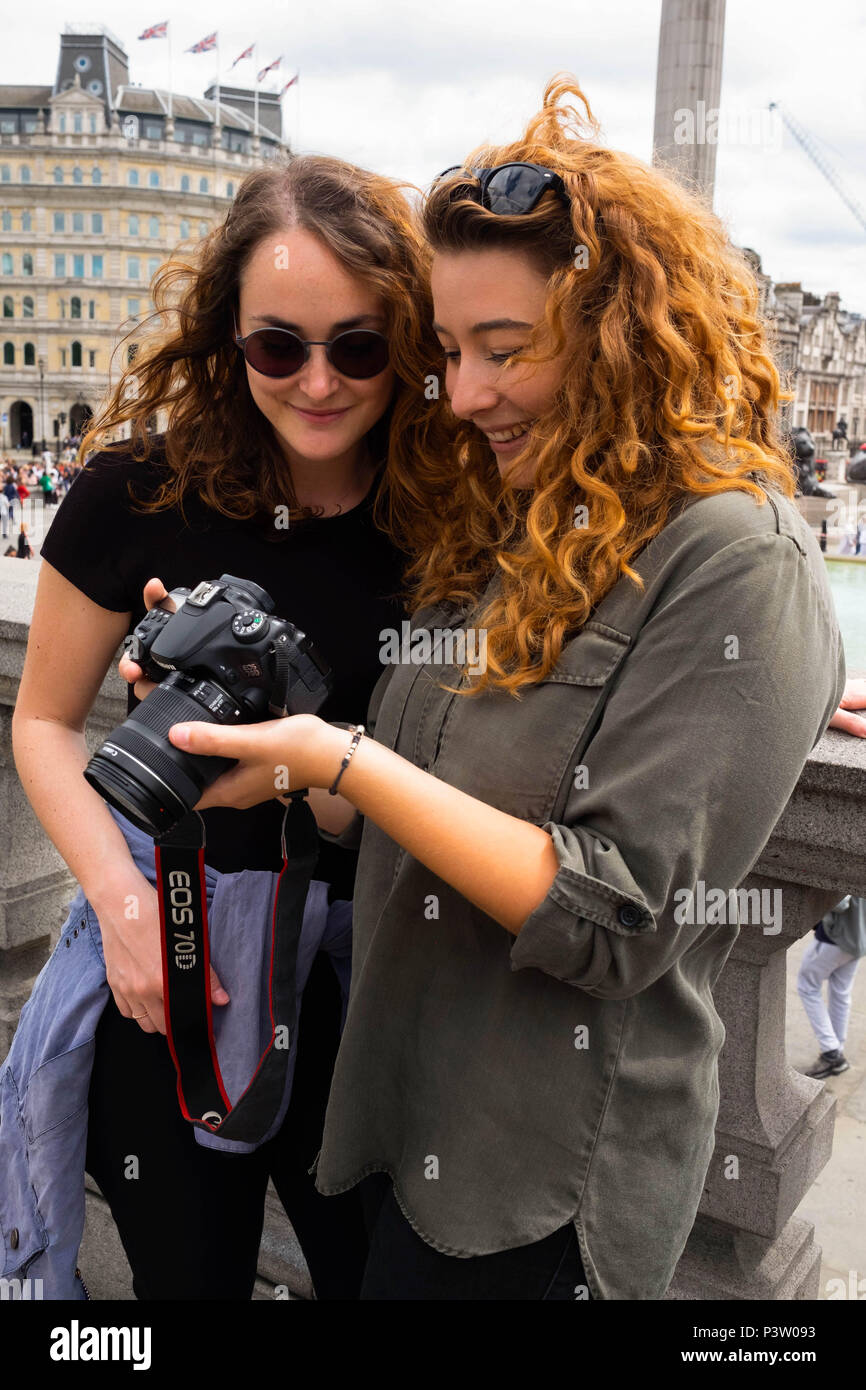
point(510, 189)
point(278, 352)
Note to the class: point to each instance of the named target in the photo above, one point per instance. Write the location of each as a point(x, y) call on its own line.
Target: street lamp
point(42, 403)
point(60, 433)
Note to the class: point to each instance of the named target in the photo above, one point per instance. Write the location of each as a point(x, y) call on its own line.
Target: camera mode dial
point(250, 626)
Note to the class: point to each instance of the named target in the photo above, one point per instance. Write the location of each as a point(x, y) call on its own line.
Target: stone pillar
point(775, 1127)
point(688, 85)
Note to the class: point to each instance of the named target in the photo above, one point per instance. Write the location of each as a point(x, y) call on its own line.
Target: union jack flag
point(247, 53)
point(291, 82)
point(265, 71)
point(203, 45)
point(156, 31)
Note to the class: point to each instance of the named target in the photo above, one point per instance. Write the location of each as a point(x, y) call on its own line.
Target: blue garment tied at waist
point(45, 1078)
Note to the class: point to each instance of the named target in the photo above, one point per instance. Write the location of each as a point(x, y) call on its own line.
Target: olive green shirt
point(509, 1084)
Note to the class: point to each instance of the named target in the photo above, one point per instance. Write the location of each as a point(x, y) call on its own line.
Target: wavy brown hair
point(669, 388)
point(218, 445)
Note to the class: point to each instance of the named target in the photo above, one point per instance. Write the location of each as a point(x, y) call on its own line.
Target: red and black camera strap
point(180, 882)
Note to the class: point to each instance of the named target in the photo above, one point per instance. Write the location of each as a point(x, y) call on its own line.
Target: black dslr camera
point(221, 658)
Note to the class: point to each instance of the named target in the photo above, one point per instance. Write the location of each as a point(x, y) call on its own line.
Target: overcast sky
point(409, 88)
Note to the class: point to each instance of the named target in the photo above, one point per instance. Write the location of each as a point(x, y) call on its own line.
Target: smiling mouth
point(321, 414)
point(508, 433)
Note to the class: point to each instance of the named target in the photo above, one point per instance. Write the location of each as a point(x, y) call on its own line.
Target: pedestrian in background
point(832, 955)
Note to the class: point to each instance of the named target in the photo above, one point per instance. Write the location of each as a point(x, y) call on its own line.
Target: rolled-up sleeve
point(728, 686)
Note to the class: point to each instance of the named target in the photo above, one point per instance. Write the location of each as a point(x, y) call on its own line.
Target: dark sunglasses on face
point(510, 189)
point(277, 352)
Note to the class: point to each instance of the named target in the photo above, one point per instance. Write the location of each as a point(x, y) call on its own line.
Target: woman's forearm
point(50, 758)
point(502, 864)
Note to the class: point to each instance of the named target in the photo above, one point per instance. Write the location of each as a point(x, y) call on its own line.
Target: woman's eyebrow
point(341, 326)
point(487, 327)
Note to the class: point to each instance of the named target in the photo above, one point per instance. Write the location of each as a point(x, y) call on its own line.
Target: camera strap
point(180, 881)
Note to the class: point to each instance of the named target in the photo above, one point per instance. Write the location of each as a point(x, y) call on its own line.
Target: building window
point(202, 229)
point(78, 123)
point(91, 308)
point(133, 268)
point(184, 183)
point(59, 264)
point(184, 229)
point(96, 176)
point(75, 307)
point(96, 270)
point(153, 265)
point(78, 222)
point(96, 222)
point(7, 263)
point(92, 124)
point(29, 355)
point(153, 178)
point(24, 173)
point(132, 178)
point(76, 354)
point(823, 406)
point(60, 221)
point(62, 125)
point(202, 184)
point(27, 306)
point(8, 307)
point(230, 189)
point(7, 222)
point(92, 358)
point(153, 227)
point(132, 307)
point(5, 173)
point(77, 175)
point(133, 224)
point(152, 130)
point(58, 174)
point(25, 222)
point(27, 263)
point(78, 267)
point(8, 354)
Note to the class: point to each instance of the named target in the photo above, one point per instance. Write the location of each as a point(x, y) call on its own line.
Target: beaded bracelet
point(358, 731)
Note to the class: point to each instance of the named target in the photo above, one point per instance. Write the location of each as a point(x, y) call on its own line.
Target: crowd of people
point(22, 481)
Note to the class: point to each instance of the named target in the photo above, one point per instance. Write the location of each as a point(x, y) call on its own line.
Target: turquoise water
point(848, 582)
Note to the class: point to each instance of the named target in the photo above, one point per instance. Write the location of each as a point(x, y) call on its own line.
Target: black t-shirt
point(337, 578)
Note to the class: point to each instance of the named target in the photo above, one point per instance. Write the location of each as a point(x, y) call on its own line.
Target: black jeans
point(191, 1218)
point(403, 1266)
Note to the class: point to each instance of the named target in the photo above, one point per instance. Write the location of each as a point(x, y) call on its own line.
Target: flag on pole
point(203, 45)
point(156, 31)
point(291, 82)
point(247, 53)
point(269, 68)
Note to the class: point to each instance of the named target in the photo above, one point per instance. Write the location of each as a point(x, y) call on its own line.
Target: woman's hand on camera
point(274, 757)
point(154, 594)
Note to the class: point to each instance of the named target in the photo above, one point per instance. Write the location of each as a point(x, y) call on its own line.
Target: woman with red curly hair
point(579, 754)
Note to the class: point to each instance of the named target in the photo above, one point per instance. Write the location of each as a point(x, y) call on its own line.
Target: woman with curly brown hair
point(290, 363)
point(526, 1088)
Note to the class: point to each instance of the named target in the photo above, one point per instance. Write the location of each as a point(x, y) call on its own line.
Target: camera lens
point(139, 772)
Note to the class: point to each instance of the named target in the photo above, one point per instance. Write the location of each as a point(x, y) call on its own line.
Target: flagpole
point(298, 114)
point(256, 101)
point(218, 78)
point(168, 36)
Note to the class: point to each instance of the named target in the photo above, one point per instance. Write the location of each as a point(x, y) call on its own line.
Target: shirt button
point(629, 915)
point(13, 1238)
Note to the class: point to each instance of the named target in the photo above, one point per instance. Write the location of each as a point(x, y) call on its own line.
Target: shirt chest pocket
point(519, 755)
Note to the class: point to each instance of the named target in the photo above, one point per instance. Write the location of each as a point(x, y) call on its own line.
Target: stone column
point(688, 80)
point(775, 1127)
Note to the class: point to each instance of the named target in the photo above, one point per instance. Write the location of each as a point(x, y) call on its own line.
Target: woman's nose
point(317, 378)
point(469, 390)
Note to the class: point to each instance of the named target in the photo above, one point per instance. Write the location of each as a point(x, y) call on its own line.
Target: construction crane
point(804, 139)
